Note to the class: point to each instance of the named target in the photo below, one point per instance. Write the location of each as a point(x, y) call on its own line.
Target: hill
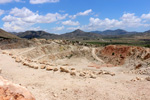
point(79, 34)
point(37, 34)
point(4, 34)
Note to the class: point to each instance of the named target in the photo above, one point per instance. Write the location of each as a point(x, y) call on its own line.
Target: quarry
point(66, 70)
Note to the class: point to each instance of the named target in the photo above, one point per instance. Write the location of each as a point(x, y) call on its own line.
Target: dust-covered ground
point(54, 71)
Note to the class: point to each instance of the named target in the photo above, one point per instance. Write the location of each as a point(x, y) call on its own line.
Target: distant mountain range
point(75, 35)
point(147, 31)
point(114, 32)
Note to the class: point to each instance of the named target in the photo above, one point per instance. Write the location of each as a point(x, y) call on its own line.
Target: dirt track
point(95, 56)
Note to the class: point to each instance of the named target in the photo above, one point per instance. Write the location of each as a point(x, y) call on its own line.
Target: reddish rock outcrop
point(10, 91)
point(117, 54)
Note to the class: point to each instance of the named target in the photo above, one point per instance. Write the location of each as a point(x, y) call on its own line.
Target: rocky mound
point(10, 91)
point(119, 54)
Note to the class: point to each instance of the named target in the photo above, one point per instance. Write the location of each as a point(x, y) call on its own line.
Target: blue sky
point(60, 16)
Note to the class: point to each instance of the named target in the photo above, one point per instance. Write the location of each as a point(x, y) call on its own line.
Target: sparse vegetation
point(123, 41)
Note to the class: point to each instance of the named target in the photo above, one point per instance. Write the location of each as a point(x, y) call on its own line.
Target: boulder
point(31, 66)
point(43, 66)
point(147, 78)
point(25, 64)
point(72, 73)
point(18, 60)
point(82, 74)
point(14, 57)
point(92, 76)
point(73, 69)
point(35, 67)
point(104, 72)
point(62, 69)
point(100, 72)
point(10, 91)
point(49, 68)
point(55, 69)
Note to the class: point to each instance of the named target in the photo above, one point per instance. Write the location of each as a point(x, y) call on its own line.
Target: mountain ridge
point(80, 34)
point(114, 32)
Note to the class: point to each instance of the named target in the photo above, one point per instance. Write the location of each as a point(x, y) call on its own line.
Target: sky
point(61, 16)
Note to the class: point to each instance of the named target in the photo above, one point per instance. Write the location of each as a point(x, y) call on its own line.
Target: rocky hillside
point(120, 55)
point(37, 34)
point(79, 34)
point(6, 35)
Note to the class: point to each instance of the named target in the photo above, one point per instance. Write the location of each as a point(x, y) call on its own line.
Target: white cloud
point(16, 26)
point(58, 28)
point(43, 1)
point(146, 16)
point(1, 12)
point(85, 13)
point(48, 18)
point(105, 24)
point(5, 1)
point(69, 22)
point(128, 20)
point(24, 12)
point(8, 1)
point(22, 19)
point(10, 18)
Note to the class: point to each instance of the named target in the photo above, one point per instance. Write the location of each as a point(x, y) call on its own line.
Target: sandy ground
point(48, 85)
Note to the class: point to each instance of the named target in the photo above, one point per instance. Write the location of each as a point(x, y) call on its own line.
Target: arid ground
point(59, 70)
